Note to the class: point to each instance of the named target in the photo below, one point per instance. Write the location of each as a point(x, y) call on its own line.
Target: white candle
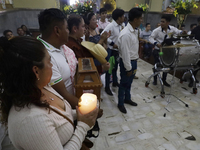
point(87, 103)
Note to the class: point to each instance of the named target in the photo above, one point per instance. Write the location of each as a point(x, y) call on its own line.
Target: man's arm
point(124, 50)
point(153, 36)
point(61, 89)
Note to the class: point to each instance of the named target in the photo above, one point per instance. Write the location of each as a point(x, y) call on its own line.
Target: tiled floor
point(153, 124)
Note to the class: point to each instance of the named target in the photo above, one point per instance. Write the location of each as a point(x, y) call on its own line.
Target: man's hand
point(129, 73)
point(106, 66)
point(115, 46)
point(158, 45)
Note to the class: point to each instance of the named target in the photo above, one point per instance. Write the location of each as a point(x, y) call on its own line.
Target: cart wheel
point(162, 94)
point(194, 90)
point(181, 81)
point(146, 84)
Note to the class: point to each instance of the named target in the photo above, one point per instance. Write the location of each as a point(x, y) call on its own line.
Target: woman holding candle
point(36, 115)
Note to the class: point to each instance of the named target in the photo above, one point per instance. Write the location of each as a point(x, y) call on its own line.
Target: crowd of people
point(37, 100)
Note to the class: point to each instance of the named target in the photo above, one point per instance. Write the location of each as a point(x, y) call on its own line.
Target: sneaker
point(108, 91)
point(130, 102)
point(115, 84)
point(166, 84)
point(122, 109)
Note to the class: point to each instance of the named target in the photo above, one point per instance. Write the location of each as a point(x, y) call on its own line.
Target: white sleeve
point(153, 36)
point(39, 132)
point(56, 76)
point(124, 50)
point(107, 29)
point(177, 31)
point(141, 34)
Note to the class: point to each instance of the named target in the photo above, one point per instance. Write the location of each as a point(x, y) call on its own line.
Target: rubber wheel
point(194, 90)
point(146, 84)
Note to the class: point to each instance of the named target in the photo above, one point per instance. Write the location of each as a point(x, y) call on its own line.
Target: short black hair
point(6, 31)
point(198, 19)
point(117, 13)
point(147, 24)
point(19, 28)
point(192, 25)
point(49, 18)
point(135, 13)
point(166, 17)
point(102, 10)
point(74, 20)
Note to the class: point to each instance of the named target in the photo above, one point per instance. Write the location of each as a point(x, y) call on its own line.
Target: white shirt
point(60, 68)
point(115, 30)
point(158, 34)
point(128, 45)
point(35, 128)
point(102, 25)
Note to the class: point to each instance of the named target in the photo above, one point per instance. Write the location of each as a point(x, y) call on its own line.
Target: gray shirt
point(145, 35)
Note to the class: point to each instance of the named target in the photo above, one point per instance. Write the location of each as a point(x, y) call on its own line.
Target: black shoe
point(190, 84)
point(155, 82)
point(115, 84)
point(108, 91)
point(122, 109)
point(166, 84)
point(130, 102)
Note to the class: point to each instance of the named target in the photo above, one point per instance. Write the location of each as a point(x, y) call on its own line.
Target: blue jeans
point(114, 71)
point(125, 82)
point(147, 49)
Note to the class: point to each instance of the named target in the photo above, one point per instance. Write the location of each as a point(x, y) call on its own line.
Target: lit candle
point(87, 103)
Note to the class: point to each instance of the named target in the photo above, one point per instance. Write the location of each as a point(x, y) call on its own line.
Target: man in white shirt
point(102, 22)
point(114, 28)
point(54, 29)
point(128, 53)
point(157, 37)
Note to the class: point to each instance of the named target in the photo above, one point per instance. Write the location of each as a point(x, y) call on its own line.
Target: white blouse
point(35, 128)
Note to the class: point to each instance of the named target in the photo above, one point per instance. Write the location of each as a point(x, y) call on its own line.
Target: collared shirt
point(128, 45)
point(158, 34)
point(60, 68)
point(102, 25)
point(115, 30)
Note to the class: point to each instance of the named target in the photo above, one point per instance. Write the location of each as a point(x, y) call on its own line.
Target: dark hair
point(74, 20)
point(17, 80)
point(166, 17)
point(135, 13)
point(192, 25)
point(117, 13)
point(6, 31)
point(102, 10)
point(23, 26)
point(198, 19)
point(19, 28)
point(50, 18)
point(88, 17)
point(147, 24)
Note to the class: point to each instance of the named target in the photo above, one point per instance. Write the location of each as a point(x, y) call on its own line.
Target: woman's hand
point(89, 118)
point(106, 66)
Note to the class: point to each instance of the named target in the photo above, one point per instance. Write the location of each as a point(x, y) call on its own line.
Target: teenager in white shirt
point(114, 28)
point(102, 22)
point(128, 53)
point(157, 37)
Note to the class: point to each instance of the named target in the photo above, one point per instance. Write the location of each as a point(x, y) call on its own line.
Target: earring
point(38, 78)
